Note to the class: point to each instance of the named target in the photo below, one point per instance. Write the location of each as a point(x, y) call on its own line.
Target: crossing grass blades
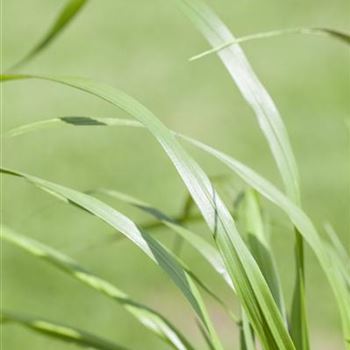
point(239, 251)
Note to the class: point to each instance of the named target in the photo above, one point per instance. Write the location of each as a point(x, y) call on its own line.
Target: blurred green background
point(143, 48)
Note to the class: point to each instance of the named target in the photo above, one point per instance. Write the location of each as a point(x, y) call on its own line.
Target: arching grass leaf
point(204, 248)
point(336, 34)
point(259, 244)
point(273, 128)
point(70, 10)
point(264, 187)
point(247, 278)
point(236, 63)
point(60, 332)
point(151, 319)
point(246, 335)
point(297, 216)
point(300, 220)
point(151, 247)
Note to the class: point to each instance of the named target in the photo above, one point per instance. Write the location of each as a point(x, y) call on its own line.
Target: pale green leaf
point(336, 34)
point(70, 10)
point(60, 332)
point(151, 319)
point(151, 247)
point(249, 282)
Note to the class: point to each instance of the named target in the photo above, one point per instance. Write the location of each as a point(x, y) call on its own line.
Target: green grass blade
point(259, 244)
point(206, 337)
point(336, 34)
point(300, 220)
point(297, 216)
point(204, 248)
point(235, 61)
point(250, 284)
point(272, 126)
point(246, 337)
point(337, 244)
point(72, 121)
point(70, 10)
point(60, 332)
point(151, 319)
point(339, 252)
point(151, 247)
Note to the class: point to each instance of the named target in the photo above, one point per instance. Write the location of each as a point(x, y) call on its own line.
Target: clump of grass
point(240, 254)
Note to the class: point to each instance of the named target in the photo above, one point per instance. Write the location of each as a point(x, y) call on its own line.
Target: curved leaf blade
point(70, 10)
point(296, 215)
point(60, 332)
point(151, 247)
point(151, 319)
point(251, 286)
point(273, 128)
point(260, 246)
point(204, 248)
point(336, 34)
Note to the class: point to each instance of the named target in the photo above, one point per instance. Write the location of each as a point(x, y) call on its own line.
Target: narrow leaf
point(296, 215)
point(151, 247)
point(259, 244)
point(204, 248)
point(250, 284)
point(272, 126)
point(151, 319)
point(60, 332)
point(70, 10)
point(336, 34)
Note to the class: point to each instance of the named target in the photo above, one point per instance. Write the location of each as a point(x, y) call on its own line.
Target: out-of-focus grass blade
point(273, 128)
point(257, 182)
point(338, 252)
point(247, 278)
point(70, 121)
point(337, 244)
point(300, 220)
point(246, 334)
point(60, 332)
point(259, 244)
point(189, 204)
point(70, 10)
point(336, 34)
point(151, 247)
point(151, 319)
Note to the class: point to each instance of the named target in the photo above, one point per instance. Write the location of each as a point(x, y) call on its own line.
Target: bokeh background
point(143, 48)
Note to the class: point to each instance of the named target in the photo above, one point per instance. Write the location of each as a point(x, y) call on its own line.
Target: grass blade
point(273, 128)
point(251, 88)
point(151, 319)
point(151, 247)
point(257, 182)
point(299, 219)
point(336, 34)
point(337, 244)
point(296, 215)
point(260, 246)
point(250, 284)
point(60, 332)
point(204, 248)
point(339, 252)
point(70, 10)
point(246, 334)
point(72, 121)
